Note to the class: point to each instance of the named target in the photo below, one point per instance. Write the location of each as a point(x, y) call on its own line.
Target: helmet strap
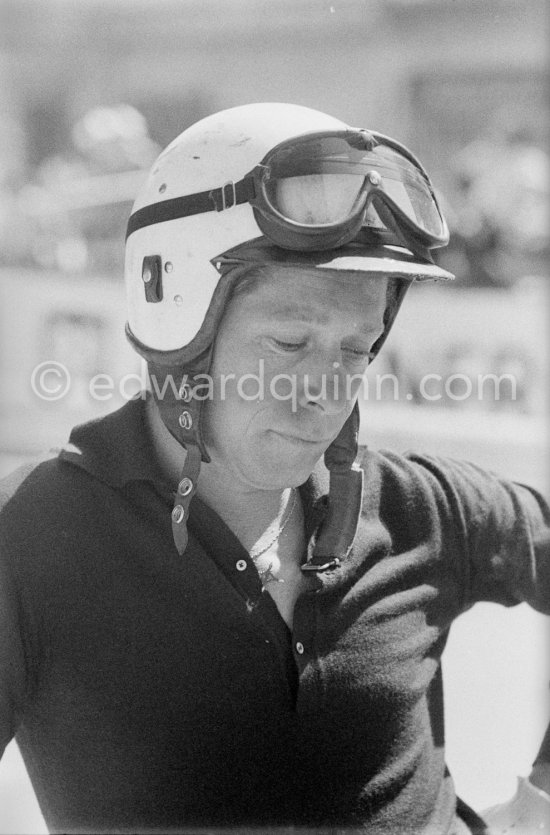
point(344, 500)
point(187, 487)
point(174, 391)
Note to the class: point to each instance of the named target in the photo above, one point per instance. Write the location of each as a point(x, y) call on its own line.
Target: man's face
point(303, 337)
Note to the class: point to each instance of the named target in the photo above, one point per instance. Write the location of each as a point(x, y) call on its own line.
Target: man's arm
point(12, 663)
point(16, 609)
point(495, 533)
point(504, 531)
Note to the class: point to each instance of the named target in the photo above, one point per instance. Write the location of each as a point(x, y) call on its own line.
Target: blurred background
point(90, 90)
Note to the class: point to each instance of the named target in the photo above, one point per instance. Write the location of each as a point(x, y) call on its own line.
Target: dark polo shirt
point(153, 692)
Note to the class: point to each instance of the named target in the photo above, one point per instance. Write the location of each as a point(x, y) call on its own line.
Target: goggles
point(318, 191)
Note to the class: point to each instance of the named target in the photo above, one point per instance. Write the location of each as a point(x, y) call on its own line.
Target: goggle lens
point(315, 200)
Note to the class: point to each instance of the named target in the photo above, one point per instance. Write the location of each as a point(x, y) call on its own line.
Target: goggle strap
point(216, 200)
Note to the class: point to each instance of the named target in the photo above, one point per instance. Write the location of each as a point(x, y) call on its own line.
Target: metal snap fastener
point(299, 648)
point(185, 393)
point(185, 486)
point(185, 420)
point(240, 565)
point(374, 178)
point(178, 300)
point(147, 275)
point(168, 267)
point(178, 514)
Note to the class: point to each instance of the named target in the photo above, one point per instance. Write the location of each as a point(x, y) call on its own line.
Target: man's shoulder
point(391, 465)
point(71, 487)
point(413, 464)
point(30, 475)
point(411, 478)
point(49, 477)
point(34, 501)
point(36, 486)
point(111, 450)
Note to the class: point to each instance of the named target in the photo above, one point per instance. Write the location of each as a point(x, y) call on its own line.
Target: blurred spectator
point(14, 237)
point(74, 209)
point(499, 212)
point(114, 139)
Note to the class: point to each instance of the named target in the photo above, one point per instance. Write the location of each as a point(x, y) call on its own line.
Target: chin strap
point(345, 499)
point(179, 404)
point(186, 490)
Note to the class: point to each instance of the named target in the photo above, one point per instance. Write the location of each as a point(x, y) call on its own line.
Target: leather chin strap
point(345, 499)
point(180, 406)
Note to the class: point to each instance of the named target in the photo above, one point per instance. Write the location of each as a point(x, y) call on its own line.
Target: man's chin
point(291, 465)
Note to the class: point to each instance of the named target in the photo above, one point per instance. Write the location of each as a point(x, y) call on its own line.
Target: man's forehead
point(308, 293)
point(317, 314)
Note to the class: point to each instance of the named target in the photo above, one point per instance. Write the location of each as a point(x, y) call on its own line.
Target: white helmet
point(215, 152)
point(262, 184)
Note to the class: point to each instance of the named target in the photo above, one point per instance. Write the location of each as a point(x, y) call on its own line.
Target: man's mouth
point(303, 439)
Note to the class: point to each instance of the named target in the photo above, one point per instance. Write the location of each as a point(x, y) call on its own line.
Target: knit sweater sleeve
point(12, 663)
point(15, 615)
point(497, 529)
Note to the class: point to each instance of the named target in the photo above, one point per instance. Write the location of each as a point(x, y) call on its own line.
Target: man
point(207, 625)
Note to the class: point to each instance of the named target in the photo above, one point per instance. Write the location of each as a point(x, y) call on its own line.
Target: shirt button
point(241, 565)
point(299, 648)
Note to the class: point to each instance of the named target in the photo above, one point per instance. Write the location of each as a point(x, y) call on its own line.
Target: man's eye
point(358, 354)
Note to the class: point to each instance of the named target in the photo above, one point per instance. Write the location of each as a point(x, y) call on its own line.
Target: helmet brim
point(353, 257)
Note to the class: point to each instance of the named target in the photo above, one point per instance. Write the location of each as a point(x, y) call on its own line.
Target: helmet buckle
point(224, 197)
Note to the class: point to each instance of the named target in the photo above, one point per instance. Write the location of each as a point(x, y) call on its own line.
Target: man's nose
point(323, 385)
